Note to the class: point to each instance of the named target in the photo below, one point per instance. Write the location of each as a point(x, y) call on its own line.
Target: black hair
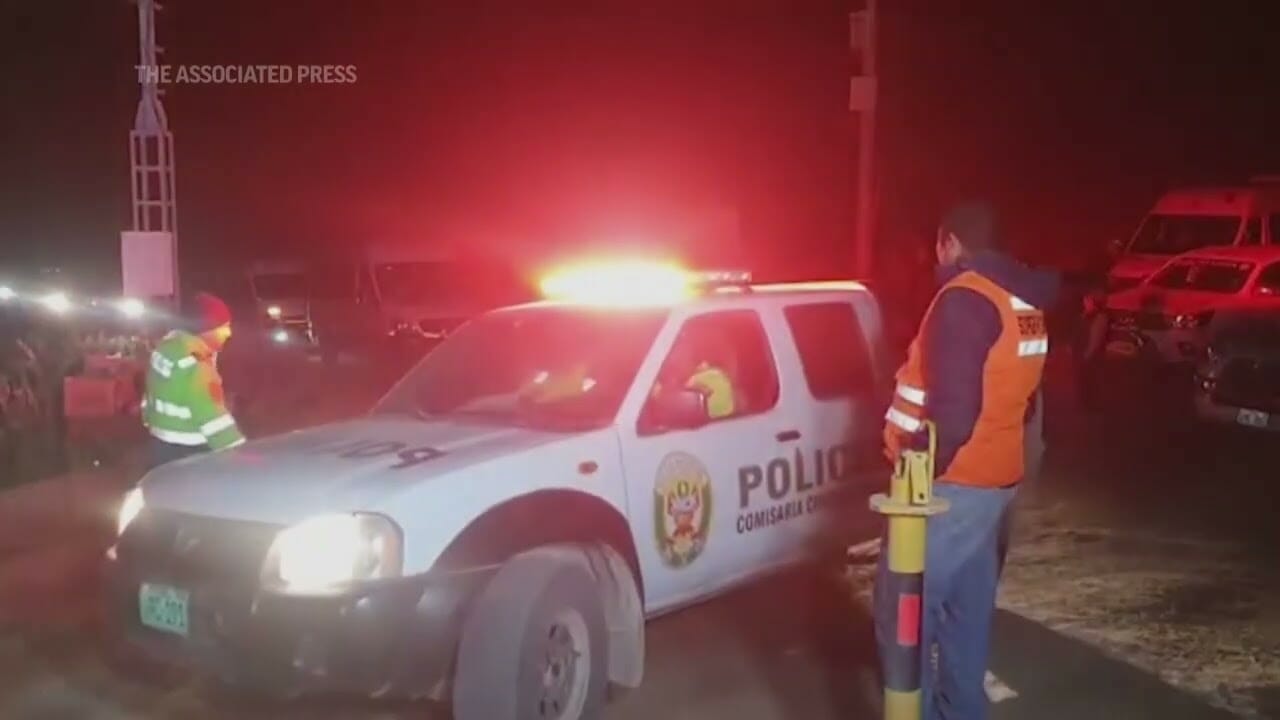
point(975, 225)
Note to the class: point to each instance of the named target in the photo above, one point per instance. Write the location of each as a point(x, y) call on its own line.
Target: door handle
point(788, 435)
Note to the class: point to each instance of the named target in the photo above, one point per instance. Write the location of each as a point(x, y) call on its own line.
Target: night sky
point(553, 124)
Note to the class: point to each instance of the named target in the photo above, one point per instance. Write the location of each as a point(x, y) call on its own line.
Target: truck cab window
point(832, 349)
point(732, 342)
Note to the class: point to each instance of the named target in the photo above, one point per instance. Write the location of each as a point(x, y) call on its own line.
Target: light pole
point(862, 106)
point(149, 253)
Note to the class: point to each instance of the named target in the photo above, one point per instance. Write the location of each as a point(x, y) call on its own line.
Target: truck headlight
point(1190, 321)
point(327, 552)
point(129, 509)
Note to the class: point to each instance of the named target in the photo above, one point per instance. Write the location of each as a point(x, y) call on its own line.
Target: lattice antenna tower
point(155, 204)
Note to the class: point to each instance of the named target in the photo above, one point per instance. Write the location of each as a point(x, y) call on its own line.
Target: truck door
point(683, 487)
point(841, 421)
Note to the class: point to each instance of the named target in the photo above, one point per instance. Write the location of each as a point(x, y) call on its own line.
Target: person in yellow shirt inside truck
point(697, 365)
point(974, 370)
point(184, 408)
point(687, 367)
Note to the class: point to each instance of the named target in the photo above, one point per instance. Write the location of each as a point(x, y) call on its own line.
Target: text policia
point(795, 485)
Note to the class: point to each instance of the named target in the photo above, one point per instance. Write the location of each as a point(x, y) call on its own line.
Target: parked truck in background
point(404, 294)
point(280, 300)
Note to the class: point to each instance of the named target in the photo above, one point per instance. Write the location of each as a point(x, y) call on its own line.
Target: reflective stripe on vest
point(913, 395)
point(217, 425)
point(173, 410)
point(904, 421)
point(176, 437)
point(993, 455)
point(1033, 347)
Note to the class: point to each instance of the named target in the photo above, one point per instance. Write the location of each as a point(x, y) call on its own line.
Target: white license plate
point(163, 608)
point(1253, 418)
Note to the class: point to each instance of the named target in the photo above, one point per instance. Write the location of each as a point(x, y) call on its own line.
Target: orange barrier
point(106, 388)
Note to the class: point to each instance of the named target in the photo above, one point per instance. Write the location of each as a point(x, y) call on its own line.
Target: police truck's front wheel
point(533, 645)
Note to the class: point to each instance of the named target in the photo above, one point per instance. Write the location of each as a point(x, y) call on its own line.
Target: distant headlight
point(280, 336)
point(327, 552)
point(274, 312)
point(7, 293)
point(129, 509)
point(131, 308)
point(56, 302)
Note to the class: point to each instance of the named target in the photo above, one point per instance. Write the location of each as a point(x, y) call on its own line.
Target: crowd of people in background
point(36, 355)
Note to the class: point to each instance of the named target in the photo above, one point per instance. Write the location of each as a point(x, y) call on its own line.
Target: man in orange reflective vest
point(974, 369)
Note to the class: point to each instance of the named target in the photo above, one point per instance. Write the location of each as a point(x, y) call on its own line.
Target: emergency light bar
point(635, 283)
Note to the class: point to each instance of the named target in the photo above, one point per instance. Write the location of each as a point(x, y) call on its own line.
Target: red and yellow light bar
point(633, 283)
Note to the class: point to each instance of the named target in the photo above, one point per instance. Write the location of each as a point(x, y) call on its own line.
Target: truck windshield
point(412, 283)
point(1204, 275)
point(272, 286)
point(332, 282)
point(550, 368)
point(1175, 234)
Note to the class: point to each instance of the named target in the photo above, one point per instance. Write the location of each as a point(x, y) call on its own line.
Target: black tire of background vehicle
point(498, 658)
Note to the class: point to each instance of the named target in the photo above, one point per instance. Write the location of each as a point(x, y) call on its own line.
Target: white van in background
point(1193, 218)
point(405, 291)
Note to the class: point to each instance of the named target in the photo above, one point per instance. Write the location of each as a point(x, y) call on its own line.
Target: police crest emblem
point(681, 509)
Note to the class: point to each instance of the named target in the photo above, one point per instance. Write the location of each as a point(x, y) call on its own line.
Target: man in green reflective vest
point(184, 408)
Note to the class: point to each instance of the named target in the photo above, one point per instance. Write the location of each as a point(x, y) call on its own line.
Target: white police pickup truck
point(497, 531)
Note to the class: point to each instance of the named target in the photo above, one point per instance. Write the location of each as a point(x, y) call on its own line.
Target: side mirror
point(679, 409)
point(1115, 248)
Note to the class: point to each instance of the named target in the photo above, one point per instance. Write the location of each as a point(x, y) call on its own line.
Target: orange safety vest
point(993, 455)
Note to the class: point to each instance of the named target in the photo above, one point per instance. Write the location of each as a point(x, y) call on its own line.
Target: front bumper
point(390, 639)
point(1207, 409)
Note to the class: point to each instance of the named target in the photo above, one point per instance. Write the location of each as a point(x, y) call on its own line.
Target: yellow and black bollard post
point(907, 507)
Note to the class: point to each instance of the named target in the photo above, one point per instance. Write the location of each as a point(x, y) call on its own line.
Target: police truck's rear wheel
point(533, 646)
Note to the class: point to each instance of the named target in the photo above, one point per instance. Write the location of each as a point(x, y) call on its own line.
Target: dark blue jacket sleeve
point(960, 332)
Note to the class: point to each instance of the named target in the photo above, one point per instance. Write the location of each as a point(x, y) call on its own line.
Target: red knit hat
point(211, 312)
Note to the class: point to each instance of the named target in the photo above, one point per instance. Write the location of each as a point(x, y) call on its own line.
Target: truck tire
point(534, 645)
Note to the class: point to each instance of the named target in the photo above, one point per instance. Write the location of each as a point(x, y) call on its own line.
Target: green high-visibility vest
point(184, 403)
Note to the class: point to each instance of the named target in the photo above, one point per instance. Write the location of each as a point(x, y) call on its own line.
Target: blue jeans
point(964, 555)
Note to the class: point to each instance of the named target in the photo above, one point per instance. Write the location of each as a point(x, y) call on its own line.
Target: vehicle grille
point(217, 561)
point(187, 547)
point(1249, 383)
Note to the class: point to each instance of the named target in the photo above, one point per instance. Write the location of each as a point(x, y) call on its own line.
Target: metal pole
point(865, 106)
point(155, 206)
point(907, 507)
